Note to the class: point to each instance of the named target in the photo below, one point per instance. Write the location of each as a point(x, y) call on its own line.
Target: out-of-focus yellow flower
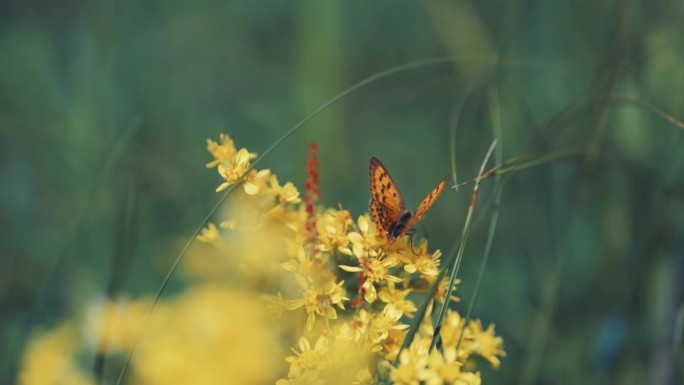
point(299, 376)
point(319, 300)
point(392, 344)
point(50, 359)
point(451, 328)
point(485, 343)
point(115, 325)
point(336, 358)
point(440, 294)
point(229, 225)
point(308, 358)
point(209, 234)
point(286, 193)
point(413, 362)
point(211, 334)
point(443, 368)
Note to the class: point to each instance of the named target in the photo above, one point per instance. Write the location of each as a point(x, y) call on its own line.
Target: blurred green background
point(105, 108)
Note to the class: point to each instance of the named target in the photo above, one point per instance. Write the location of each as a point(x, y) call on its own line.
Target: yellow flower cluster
point(356, 293)
point(279, 274)
point(211, 334)
point(418, 365)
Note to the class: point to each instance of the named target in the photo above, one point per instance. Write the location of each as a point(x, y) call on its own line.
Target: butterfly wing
point(383, 216)
point(427, 202)
point(383, 189)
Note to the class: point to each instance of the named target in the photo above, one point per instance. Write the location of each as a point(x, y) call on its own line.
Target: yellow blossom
point(319, 300)
point(50, 359)
point(208, 234)
point(308, 358)
point(230, 225)
point(333, 227)
point(451, 328)
point(286, 193)
point(233, 169)
point(416, 261)
point(375, 270)
point(485, 343)
point(223, 151)
point(443, 368)
point(397, 297)
point(368, 240)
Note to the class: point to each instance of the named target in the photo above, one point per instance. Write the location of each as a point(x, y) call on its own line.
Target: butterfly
point(387, 204)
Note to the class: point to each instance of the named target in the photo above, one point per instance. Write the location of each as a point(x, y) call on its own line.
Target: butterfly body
point(401, 226)
point(387, 205)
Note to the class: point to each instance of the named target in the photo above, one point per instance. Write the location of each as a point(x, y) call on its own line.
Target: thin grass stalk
point(495, 116)
point(461, 249)
point(456, 115)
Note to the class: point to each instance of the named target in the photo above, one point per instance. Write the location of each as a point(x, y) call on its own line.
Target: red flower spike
point(312, 193)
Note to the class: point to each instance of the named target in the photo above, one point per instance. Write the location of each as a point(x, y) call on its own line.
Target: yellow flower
point(333, 226)
point(233, 169)
point(368, 240)
point(443, 368)
point(363, 377)
point(485, 343)
point(276, 304)
point(284, 194)
point(208, 234)
point(319, 300)
point(377, 328)
point(335, 359)
point(116, 324)
point(421, 261)
point(299, 376)
point(230, 225)
point(440, 294)
point(307, 358)
point(397, 297)
point(469, 378)
point(413, 363)
point(209, 334)
point(451, 328)
point(222, 152)
point(50, 359)
point(392, 344)
point(375, 270)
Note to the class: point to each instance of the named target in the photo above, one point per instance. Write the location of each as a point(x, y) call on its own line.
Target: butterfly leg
point(412, 234)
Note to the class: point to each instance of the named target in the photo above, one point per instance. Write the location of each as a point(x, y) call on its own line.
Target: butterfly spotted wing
point(386, 203)
point(427, 202)
point(383, 189)
point(383, 216)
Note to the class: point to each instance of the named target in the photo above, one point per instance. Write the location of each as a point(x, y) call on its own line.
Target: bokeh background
point(105, 108)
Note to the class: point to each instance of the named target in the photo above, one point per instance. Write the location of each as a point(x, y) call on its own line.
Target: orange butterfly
point(387, 204)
